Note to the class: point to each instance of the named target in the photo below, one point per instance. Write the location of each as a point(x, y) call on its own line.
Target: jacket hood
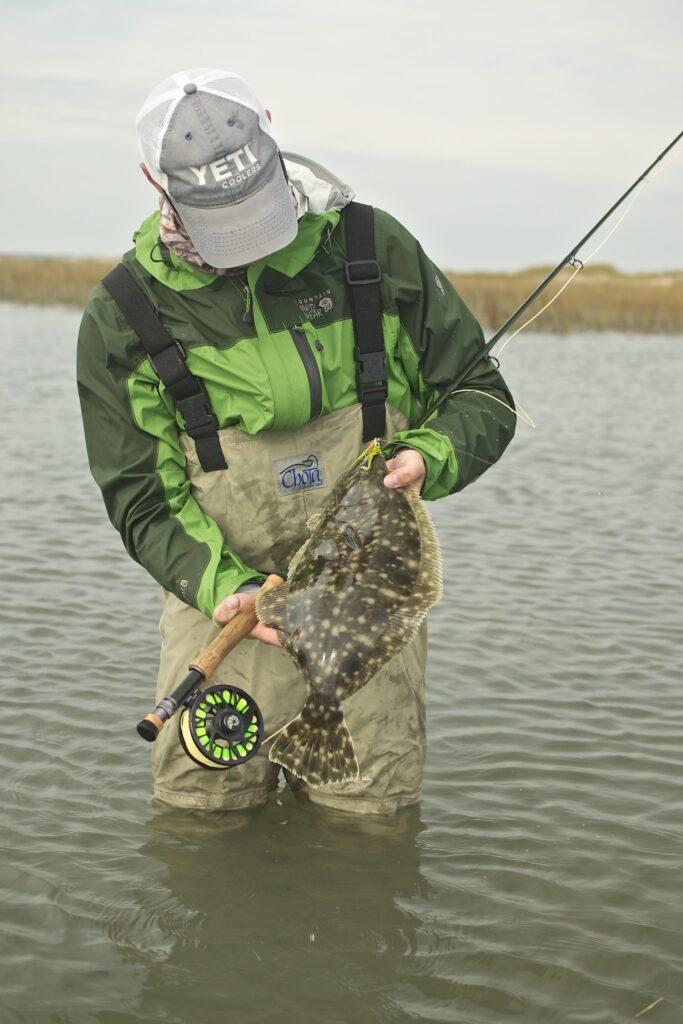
point(318, 190)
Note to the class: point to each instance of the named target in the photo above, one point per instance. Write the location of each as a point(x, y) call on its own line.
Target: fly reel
point(220, 727)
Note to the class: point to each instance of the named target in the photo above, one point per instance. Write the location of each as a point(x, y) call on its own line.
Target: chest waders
point(261, 490)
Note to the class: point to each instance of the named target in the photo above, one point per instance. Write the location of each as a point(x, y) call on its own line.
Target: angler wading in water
point(262, 331)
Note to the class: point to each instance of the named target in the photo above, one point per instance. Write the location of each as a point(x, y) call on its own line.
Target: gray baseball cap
point(207, 141)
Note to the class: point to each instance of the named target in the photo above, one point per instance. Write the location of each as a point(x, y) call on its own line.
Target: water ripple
point(539, 879)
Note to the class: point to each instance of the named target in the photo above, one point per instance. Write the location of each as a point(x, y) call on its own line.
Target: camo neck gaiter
point(173, 234)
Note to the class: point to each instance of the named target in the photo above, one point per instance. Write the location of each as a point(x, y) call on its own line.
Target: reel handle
point(203, 665)
point(231, 634)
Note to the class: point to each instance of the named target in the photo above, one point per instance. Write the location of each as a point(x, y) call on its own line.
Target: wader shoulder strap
point(363, 275)
point(168, 360)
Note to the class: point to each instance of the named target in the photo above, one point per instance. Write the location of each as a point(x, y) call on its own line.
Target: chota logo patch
point(299, 473)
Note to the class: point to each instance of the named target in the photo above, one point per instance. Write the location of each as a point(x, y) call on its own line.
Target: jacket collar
point(181, 276)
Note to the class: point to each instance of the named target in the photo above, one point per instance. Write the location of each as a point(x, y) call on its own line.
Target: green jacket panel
point(294, 361)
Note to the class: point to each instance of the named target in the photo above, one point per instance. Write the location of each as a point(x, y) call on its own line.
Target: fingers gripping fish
point(356, 594)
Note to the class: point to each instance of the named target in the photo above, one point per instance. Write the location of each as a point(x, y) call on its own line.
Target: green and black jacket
point(295, 361)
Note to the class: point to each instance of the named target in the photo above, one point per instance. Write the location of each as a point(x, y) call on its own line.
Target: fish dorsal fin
point(430, 579)
point(405, 621)
point(313, 520)
point(271, 608)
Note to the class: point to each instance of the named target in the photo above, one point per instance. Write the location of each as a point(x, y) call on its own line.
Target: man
point(215, 434)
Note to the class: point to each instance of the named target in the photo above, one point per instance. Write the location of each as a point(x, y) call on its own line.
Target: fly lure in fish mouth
point(367, 455)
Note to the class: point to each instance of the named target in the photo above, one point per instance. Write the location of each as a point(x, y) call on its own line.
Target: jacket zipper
point(311, 367)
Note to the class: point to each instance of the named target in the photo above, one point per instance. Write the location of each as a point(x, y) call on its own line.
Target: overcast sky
point(498, 133)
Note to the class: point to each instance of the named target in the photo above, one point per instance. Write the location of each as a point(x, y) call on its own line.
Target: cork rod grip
point(231, 634)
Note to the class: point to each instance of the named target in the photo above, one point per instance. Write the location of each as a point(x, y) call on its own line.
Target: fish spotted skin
point(356, 594)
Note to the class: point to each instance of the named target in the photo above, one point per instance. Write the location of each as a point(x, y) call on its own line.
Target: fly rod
point(569, 259)
point(222, 726)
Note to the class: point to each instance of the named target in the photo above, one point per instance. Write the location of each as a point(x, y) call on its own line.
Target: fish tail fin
point(317, 746)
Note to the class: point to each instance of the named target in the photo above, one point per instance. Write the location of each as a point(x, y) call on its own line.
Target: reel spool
point(220, 727)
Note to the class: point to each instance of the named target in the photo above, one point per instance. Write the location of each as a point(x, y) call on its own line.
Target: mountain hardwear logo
point(299, 473)
point(315, 306)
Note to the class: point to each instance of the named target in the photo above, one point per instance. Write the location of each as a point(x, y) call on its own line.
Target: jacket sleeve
point(471, 429)
point(141, 469)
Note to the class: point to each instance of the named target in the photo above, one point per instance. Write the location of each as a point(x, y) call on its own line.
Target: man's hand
point(407, 469)
point(227, 610)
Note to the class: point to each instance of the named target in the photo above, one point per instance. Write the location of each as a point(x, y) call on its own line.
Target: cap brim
point(245, 231)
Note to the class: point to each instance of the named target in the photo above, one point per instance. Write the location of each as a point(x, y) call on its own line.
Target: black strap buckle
point(196, 411)
point(371, 367)
point(359, 272)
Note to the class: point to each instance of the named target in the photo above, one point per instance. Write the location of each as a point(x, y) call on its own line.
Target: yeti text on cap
point(224, 174)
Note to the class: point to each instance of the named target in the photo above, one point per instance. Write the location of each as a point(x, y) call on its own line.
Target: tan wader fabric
point(266, 527)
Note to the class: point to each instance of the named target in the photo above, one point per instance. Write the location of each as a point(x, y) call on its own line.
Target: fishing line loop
point(543, 308)
point(521, 414)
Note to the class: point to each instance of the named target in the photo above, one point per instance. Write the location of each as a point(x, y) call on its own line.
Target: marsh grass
point(52, 281)
point(599, 299)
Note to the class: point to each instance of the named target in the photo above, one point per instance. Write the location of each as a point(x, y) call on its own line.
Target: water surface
point(539, 880)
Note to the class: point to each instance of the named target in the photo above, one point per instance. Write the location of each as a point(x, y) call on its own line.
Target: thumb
point(227, 609)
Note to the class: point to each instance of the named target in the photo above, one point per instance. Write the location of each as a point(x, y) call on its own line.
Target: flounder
point(356, 594)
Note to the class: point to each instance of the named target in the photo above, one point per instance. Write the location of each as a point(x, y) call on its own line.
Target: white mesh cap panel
point(151, 128)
